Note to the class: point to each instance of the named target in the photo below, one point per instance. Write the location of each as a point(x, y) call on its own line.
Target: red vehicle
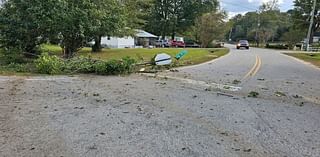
point(174, 43)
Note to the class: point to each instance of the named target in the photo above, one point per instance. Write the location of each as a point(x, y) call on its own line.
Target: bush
point(80, 65)
point(15, 67)
point(278, 46)
point(113, 67)
point(11, 56)
point(46, 64)
point(53, 65)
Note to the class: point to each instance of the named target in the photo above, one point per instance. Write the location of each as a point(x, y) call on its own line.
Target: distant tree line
point(269, 24)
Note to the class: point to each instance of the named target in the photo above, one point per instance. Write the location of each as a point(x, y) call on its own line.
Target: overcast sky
point(234, 7)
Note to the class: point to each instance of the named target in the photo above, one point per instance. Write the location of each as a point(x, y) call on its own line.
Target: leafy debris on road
point(247, 150)
point(235, 82)
point(253, 94)
point(280, 94)
point(297, 96)
point(223, 94)
point(96, 94)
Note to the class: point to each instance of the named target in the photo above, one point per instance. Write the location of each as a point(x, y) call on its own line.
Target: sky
point(234, 7)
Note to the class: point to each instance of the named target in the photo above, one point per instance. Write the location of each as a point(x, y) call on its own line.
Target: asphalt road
point(196, 111)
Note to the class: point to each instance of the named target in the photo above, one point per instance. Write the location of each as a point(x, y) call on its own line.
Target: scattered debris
point(195, 96)
point(235, 82)
point(280, 94)
point(297, 96)
point(226, 87)
point(174, 70)
point(253, 94)
point(208, 89)
point(261, 79)
point(96, 94)
point(247, 150)
point(142, 69)
point(223, 94)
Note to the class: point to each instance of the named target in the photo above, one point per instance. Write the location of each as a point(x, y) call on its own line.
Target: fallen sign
point(163, 59)
point(181, 54)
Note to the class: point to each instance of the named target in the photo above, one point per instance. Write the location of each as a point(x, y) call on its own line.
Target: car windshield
point(243, 42)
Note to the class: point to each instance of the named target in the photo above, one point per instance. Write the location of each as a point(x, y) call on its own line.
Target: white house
point(141, 39)
point(117, 42)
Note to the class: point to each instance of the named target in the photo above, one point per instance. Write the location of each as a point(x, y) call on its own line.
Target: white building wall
point(110, 42)
point(115, 42)
point(126, 42)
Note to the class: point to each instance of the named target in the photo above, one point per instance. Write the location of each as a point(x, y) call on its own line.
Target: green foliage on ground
point(107, 62)
point(51, 65)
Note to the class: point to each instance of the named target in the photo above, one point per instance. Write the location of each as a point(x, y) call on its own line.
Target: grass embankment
point(313, 58)
point(194, 56)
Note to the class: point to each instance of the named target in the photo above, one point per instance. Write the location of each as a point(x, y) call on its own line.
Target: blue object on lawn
point(181, 54)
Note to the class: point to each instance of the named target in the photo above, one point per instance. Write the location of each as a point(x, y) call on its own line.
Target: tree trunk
point(68, 53)
point(97, 44)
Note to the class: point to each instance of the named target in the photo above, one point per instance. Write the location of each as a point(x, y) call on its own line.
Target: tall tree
point(25, 24)
point(209, 27)
point(301, 13)
point(108, 19)
point(175, 16)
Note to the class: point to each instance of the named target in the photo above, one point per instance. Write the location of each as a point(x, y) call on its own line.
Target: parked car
point(243, 43)
point(174, 43)
point(162, 43)
point(191, 43)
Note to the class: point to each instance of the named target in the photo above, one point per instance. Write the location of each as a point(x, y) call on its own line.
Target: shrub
point(278, 46)
point(10, 56)
point(53, 65)
point(113, 67)
point(46, 64)
point(15, 67)
point(80, 65)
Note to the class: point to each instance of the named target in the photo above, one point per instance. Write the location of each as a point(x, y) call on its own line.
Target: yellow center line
point(254, 70)
point(258, 67)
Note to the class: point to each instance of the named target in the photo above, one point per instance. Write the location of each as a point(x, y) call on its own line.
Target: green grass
point(194, 56)
point(313, 58)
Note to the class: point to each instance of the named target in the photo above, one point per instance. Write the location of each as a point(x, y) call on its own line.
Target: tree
point(209, 27)
point(108, 20)
point(292, 37)
point(169, 17)
point(25, 24)
point(301, 14)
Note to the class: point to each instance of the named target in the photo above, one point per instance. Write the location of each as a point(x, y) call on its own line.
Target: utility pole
point(311, 24)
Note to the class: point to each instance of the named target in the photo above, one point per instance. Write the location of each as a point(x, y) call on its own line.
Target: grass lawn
point(313, 58)
point(194, 56)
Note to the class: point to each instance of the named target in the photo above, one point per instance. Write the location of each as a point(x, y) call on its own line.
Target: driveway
point(198, 111)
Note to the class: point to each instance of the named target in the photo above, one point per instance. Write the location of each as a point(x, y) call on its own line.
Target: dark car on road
point(243, 44)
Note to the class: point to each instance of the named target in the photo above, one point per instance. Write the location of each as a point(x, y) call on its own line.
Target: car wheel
point(247, 48)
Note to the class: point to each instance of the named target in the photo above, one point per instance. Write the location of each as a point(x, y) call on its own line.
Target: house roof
point(144, 34)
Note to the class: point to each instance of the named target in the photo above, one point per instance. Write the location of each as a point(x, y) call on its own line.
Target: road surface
point(196, 111)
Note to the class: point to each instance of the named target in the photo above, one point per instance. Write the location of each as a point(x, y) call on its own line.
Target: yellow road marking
point(258, 67)
point(254, 70)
